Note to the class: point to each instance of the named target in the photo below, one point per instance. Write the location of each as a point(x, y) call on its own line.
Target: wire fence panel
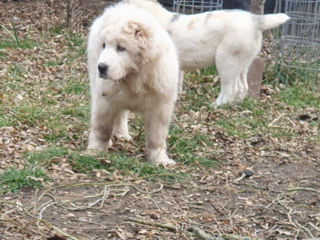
point(196, 6)
point(297, 44)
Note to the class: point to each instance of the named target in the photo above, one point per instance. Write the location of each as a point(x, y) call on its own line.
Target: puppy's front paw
point(98, 145)
point(223, 99)
point(122, 135)
point(167, 163)
point(216, 103)
point(160, 157)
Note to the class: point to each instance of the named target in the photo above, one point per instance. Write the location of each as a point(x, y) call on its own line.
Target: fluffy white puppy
point(229, 38)
point(133, 65)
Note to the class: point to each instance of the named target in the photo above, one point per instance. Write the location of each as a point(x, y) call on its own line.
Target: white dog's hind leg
point(157, 123)
point(229, 90)
point(120, 126)
point(239, 87)
point(244, 90)
point(229, 72)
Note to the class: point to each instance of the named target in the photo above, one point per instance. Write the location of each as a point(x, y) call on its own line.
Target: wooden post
point(257, 6)
point(256, 69)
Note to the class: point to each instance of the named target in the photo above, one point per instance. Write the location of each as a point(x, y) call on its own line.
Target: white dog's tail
point(270, 21)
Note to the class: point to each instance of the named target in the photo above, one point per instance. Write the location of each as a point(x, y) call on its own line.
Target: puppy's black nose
point(103, 68)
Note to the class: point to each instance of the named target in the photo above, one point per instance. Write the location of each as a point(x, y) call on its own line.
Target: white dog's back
point(200, 35)
point(231, 39)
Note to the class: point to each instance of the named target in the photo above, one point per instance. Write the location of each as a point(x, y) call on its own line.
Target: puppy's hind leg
point(229, 72)
point(244, 83)
point(157, 121)
point(120, 126)
point(241, 86)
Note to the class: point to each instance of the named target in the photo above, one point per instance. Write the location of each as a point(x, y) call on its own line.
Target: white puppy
point(133, 65)
point(229, 38)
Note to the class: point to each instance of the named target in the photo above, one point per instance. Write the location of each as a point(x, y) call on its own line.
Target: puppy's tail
point(270, 21)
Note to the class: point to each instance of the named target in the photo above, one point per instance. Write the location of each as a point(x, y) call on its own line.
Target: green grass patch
point(12, 180)
point(3, 54)
point(191, 150)
point(30, 114)
point(23, 114)
point(77, 43)
point(283, 133)
point(299, 97)
point(86, 163)
point(300, 73)
point(57, 29)
point(111, 161)
point(45, 156)
point(232, 127)
point(75, 40)
point(56, 135)
point(6, 119)
point(75, 87)
point(24, 44)
point(76, 111)
point(7, 44)
point(209, 71)
point(52, 63)
point(199, 92)
point(15, 73)
point(252, 105)
point(251, 118)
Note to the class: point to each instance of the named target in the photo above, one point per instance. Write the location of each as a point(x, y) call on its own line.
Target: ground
point(244, 171)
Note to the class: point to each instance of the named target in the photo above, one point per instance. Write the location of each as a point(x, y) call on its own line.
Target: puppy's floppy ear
point(138, 31)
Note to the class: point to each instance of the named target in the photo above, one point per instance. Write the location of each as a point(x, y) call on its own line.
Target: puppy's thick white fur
point(139, 71)
point(229, 38)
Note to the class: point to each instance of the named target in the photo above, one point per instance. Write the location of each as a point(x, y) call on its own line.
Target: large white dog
point(133, 65)
point(229, 38)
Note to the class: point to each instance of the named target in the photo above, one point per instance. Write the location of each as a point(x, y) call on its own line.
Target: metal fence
point(196, 6)
point(297, 43)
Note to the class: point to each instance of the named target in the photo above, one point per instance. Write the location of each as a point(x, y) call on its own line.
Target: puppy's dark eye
point(120, 49)
point(103, 45)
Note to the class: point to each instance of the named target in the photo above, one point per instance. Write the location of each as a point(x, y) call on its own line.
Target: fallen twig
point(151, 192)
point(200, 233)
point(304, 228)
point(240, 178)
point(36, 210)
point(315, 227)
point(275, 120)
point(45, 222)
point(303, 189)
point(169, 227)
point(232, 237)
point(294, 223)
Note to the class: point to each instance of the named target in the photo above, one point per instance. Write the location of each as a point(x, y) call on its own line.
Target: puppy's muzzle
point(103, 70)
